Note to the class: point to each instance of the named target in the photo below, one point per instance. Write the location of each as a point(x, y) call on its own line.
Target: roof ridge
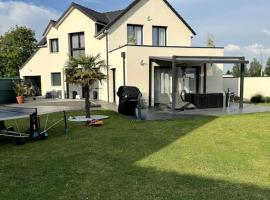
point(76, 4)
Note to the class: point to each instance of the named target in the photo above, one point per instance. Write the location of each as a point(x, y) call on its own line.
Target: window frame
point(79, 44)
point(57, 45)
point(158, 42)
point(135, 25)
point(52, 80)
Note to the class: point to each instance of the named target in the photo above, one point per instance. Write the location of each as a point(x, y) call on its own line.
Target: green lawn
point(264, 104)
point(193, 158)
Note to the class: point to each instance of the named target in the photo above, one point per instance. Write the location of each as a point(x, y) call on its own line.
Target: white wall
point(150, 13)
point(138, 75)
point(252, 86)
point(43, 63)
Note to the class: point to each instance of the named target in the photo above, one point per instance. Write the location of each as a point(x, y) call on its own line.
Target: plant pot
point(20, 99)
point(142, 115)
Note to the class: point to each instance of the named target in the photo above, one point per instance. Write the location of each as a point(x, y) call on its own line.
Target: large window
point(56, 79)
point(135, 34)
point(159, 36)
point(54, 46)
point(77, 44)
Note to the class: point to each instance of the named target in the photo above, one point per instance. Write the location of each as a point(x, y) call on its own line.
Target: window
point(54, 46)
point(135, 34)
point(56, 79)
point(159, 36)
point(77, 44)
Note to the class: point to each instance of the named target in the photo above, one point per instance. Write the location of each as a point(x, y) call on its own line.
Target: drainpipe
point(63, 84)
point(123, 55)
point(107, 64)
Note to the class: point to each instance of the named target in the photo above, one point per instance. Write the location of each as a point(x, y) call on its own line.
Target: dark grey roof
point(42, 42)
point(97, 16)
point(109, 18)
point(113, 14)
point(123, 12)
point(105, 17)
point(51, 22)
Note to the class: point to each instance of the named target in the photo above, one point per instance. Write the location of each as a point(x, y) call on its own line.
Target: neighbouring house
point(147, 45)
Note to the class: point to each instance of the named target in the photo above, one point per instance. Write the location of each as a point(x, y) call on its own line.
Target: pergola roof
point(202, 59)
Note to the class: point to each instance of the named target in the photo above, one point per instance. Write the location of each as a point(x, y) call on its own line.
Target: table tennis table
point(34, 131)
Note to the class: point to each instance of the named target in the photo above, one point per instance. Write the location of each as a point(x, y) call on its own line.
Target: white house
point(136, 44)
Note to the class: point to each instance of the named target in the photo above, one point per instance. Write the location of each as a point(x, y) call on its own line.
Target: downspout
point(123, 54)
point(107, 64)
point(63, 82)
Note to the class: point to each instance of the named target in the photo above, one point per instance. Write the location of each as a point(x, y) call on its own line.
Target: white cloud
point(250, 50)
point(266, 31)
point(257, 49)
point(25, 14)
point(232, 48)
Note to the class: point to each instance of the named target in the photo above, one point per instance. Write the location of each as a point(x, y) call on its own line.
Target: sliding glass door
point(187, 80)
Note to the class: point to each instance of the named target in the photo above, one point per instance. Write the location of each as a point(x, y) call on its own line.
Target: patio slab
point(69, 104)
point(154, 114)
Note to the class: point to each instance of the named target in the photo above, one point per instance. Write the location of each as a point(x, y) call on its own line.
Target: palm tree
point(85, 71)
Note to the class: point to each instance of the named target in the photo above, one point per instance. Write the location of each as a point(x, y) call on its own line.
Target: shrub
point(267, 99)
point(258, 98)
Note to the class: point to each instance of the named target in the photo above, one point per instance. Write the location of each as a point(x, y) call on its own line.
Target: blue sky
point(241, 26)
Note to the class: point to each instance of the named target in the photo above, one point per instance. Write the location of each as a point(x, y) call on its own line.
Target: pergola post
point(174, 82)
point(242, 77)
point(150, 82)
point(204, 77)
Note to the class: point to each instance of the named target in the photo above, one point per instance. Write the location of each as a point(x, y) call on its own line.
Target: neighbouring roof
point(108, 18)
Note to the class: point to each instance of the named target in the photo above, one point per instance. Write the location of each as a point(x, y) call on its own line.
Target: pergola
point(201, 60)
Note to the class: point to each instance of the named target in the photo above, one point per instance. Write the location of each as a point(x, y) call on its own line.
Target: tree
point(236, 72)
point(228, 72)
point(16, 46)
point(85, 71)
point(267, 68)
point(255, 69)
point(210, 41)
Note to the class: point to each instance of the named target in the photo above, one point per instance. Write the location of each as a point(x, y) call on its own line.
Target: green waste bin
point(7, 94)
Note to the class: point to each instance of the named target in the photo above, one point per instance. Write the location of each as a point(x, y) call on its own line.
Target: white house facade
point(129, 41)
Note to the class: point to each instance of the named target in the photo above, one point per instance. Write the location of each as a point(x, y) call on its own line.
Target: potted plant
point(141, 110)
point(85, 71)
point(20, 90)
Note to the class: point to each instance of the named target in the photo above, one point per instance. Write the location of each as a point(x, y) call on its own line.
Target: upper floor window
point(159, 36)
point(135, 34)
point(54, 46)
point(77, 44)
point(56, 79)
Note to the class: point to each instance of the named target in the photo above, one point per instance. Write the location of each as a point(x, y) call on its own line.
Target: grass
point(264, 104)
point(192, 158)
